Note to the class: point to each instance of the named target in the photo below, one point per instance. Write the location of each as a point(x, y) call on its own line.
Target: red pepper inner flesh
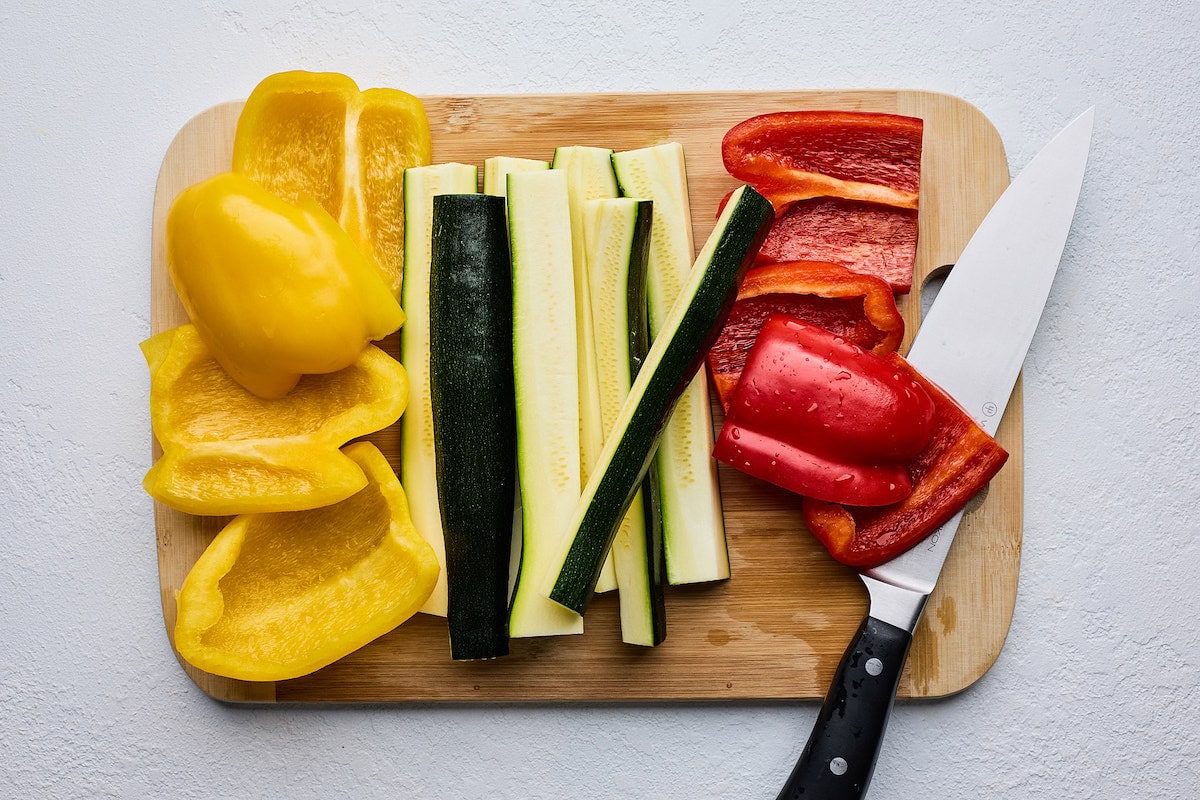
point(869, 238)
point(845, 186)
point(882, 149)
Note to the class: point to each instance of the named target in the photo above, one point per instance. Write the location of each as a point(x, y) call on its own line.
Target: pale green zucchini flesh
point(497, 169)
point(589, 177)
point(545, 360)
point(418, 468)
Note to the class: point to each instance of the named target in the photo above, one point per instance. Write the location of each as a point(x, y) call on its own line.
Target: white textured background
point(1095, 693)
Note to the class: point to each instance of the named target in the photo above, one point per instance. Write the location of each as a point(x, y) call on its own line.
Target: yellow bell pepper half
point(276, 290)
point(277, 596)
point(227, 451)
point(314, 134)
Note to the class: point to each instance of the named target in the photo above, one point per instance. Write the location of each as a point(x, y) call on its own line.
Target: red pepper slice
point(795, 155)
point(959, 461)
point(869, 238)
point(822, 417)
point(858, 308)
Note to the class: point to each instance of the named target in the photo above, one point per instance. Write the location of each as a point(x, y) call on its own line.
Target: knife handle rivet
point(874, 666)
point(837, 765)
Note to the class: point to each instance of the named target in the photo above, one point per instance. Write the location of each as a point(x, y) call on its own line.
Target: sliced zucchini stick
point(474, 416)
point(545, 359)
point(677, 352)
point(497, 169)
point(693, 525)
point(618, 240)
point(589, 177)
point(418, 469)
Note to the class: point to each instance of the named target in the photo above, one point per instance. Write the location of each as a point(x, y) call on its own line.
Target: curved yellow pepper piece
point(276, 290)
point(277, 596)
point(314, 134)
point(226, 451)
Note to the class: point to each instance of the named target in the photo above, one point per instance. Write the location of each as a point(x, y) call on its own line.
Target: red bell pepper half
point(959, 461)
point(794, 155)
point(858, 308)
point(820, 416)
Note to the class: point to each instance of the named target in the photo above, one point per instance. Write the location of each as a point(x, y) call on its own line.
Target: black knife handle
point(840, 755)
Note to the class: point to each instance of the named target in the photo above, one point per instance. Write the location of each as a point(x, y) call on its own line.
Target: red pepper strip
point(856, 307)
point(959, 461)
point(866, 237)
point(795, 155)
point(824, 418)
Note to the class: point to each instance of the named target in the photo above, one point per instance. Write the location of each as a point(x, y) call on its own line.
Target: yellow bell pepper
point(315, 134)
point(226, 451)
point(276, 290)
point(277, 596)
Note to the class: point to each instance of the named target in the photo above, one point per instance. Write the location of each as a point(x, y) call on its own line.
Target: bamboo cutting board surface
point(777, 629)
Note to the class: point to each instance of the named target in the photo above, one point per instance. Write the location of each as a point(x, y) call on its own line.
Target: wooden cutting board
point(776, 629)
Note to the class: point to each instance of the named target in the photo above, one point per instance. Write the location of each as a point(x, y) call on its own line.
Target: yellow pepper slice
point(226, 451)
point(276, 290)
point(277, 596)
point(315, 134)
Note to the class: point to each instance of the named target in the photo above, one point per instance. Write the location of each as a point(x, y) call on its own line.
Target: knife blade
point(972, 344)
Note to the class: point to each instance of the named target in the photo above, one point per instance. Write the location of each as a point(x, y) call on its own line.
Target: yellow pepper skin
point(277, 596)
point(227, 451)
point(276, 290)
point(314, 134)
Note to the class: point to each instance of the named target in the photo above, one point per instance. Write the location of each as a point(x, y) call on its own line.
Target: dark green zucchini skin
point(743, 234)
point(474, 415)
point(639, 342)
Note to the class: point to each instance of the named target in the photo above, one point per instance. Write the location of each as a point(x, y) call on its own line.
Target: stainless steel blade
point(975, 337)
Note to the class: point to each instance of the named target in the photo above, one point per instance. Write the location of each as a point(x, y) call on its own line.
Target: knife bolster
point(896, 606)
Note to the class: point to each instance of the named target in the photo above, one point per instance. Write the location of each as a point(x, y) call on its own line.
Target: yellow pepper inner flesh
point(227, 451)
point(314, 134)
point(277, 596)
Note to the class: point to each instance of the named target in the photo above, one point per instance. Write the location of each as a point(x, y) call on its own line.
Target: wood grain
point(778, 627)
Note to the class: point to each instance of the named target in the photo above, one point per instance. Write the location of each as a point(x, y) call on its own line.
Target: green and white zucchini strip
point(418, 470)
point(693, 524)
point(677, 352)
point(474, 419)
point(497, 169)
point(589, 177)
point(617, 234)
point(495, 183)
point(545, 361)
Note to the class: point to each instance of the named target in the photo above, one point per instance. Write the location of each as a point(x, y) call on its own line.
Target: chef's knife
point(971, 344)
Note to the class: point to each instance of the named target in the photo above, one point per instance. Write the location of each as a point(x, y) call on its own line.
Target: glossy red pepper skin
point(858, 308)
point(959, 460)
point(820, 416)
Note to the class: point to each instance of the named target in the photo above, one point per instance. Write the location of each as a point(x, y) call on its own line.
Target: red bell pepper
point(820, 416)
point(845, 186)
point(959, 461)
point(848, 430)
point(869, 238)
point(795, 155)
point(859, 308)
